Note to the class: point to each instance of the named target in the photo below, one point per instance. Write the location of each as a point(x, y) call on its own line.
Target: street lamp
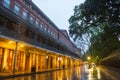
point(89, 63)
point(88, 57)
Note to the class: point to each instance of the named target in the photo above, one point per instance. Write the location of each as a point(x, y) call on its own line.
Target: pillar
point(5, 59)
point(30, 62)
point(15, 52)
point(24, 60)
point(36, 62)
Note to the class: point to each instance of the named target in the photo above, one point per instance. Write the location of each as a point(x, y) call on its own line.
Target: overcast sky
point(59, 11)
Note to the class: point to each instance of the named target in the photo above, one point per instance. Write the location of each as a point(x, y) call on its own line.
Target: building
point(30, 41)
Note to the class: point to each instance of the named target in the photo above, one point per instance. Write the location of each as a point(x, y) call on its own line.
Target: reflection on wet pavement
point(91, 73)
point(66, 74)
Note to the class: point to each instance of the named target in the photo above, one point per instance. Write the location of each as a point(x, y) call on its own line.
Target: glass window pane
point(31, 19)
point(37, 23)
point(16, 9)
point(7, 3)
point(24, 14)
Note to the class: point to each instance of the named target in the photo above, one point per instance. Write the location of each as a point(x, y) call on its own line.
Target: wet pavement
point(77, 73)
point(91, 73)
point(100, 73)
point(66, 74)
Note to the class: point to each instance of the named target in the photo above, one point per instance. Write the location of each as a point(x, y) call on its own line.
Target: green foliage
point(100, 19)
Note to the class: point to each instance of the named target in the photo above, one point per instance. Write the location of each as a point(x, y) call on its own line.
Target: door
point(19, 60)
point(10, 60)
point(27, 68)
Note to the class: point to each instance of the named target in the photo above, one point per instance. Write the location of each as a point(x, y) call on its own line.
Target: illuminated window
point(7, 3)
point(24, 14)
point(16, 8)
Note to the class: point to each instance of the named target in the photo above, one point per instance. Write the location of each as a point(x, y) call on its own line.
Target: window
point(32, 9)
point(37, 23)
point(41, 26)
point(31, 19)
point(48, 31)
point(24, 14)
point(26, 3)
point(16, 8)
point(51, 33)
point(55, 36)
point(7, 3)
point(45, 29)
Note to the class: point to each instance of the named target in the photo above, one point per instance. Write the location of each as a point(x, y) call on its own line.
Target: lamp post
point(89, 58)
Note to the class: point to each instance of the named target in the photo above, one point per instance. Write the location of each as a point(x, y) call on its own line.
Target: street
point(66, 74)
point(77, 73)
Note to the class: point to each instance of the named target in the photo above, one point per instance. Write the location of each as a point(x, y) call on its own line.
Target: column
point(57, 62)
point(30, 62)
point(15, 52)
point(24, 60)
point(5, 59)
point(36, 62)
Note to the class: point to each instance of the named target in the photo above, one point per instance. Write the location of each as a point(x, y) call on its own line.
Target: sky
point(58, 11)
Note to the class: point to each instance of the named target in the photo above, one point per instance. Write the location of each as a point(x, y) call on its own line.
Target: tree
point(100, 21)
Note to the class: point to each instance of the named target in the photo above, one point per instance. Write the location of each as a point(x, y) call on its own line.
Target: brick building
point(30, 41)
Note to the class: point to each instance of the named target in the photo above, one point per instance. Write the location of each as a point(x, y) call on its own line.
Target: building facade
point(30, 41)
